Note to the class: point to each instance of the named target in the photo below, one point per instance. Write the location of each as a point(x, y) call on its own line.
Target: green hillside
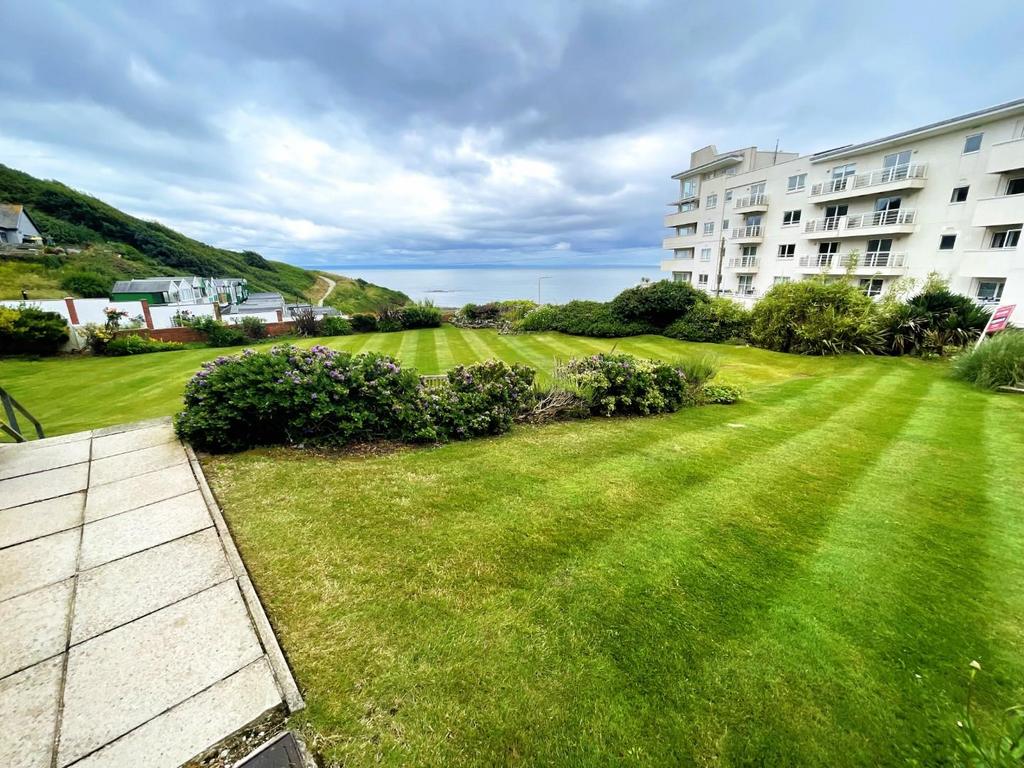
point(357, 295)
point(97, 244)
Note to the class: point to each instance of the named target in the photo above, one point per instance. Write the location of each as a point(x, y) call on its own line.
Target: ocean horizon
point(454, 286)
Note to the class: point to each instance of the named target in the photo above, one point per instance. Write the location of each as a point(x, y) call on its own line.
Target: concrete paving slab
point(134, 492)
point(191, 727)
point(139, 529)
point(136, 439)
point(29, 702)
point(136, 463)
point(17, 463)
point(38, 563)
point(43, 485)
point(131, 426)
point(46, 442)
point(125, 589)
point(124, 678)
point(30, 521)
point(35, 626)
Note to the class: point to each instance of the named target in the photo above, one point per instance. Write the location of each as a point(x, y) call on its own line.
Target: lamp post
point(542, 277)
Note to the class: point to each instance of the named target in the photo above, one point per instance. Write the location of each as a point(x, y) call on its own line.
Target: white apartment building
point(946, 197)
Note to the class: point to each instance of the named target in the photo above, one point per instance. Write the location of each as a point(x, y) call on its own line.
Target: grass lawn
point(74, 393)
point(800, 579)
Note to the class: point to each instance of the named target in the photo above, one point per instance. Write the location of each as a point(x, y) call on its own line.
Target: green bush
point(254, 328)
point(421, 314)
point(582, 318)
point(89, 285)
point(719, 394)
point(496, 314)
point(364, 322)
point(998, 362)
point(335, 325)
point(218, 334)
point(814, 317)
point(31, 331)
point(291, 395)
point(947, 319)
point(714, 320)
point(475, 400)
point(624, 385)
point(389, 320)
point(657, 304)
point(138, 345)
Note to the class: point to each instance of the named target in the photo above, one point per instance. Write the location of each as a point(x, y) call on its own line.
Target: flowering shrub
point(623, 384)
point(138, 345)
point(291, 395)
point(719, 394)
point(481, 399)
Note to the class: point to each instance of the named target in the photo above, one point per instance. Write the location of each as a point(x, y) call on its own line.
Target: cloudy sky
point(444, 133)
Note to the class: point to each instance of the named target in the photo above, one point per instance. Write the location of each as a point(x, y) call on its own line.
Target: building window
point(705, 254)
point(750, 250)
point(728, 195)
point(725, 225)
point(682, 277)
point(689, 188)
point(745, 284)
point(947, 242)
point(1015, 187)
point(780, 279)
point(787, 250)
point(872, 286)
point(842, 171)
point(711, 202)
point(959, 195)
point(709, 227)
point(702, 280)
point(790, 217)
point(972, 143)
point(990, 290)
point(796, 183)
point(1008, 238)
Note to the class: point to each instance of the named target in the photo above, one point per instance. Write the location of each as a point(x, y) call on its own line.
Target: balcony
point(821, 262)
point(874, 263)
point(751, 234)
point(991, 262)
point(743, 263)
point(1006, 156)
point(911, 176)
point(679, 241)
point(682, 218)
point(751, 204)
point(999, 211)
point(892, 222)
point(677, 265)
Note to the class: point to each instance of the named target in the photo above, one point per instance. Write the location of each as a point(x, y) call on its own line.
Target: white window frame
point(711, 201)
point(786, 251)
point(1007, 235)
point(705, 254)
point(709, 227)
point(781, 279)
point(952, 194)
point(788, 219)
point(867, 285)
point(702, 280)
point(979, 136)
point(796, 182)
point(942, 239)
point(997, 294)
point(728, 195)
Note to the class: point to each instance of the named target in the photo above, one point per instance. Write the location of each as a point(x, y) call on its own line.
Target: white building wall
point(969, 263)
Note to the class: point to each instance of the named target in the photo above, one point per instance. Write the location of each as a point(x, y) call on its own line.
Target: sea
point(454, 287)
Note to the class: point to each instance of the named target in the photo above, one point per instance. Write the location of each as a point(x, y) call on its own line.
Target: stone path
point(129, 631)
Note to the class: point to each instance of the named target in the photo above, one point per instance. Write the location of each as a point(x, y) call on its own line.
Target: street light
point(542, 277)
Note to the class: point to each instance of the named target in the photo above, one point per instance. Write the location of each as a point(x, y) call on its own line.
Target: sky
point(452, 133)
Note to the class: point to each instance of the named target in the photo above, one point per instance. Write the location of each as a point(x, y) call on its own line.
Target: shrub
point(335, 325)
point(658, 304)
point(31, 331)
point(815, 317)
point(715, 320)
point(97, 337)
point(421, 314)
point(254, 328)
point(998, 362)
point(89, 285)
point(222, 335)
point(364, 322)
point(481, 399)
point(291, 395)
point(306, 322)
point(497, 314)
point(138, 345)
point(622, 384)
point(719, 394)
point(582, 318)
point(389, 320)
point(948, 319)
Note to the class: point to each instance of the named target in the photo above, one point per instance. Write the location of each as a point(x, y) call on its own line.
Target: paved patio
point(131, 633)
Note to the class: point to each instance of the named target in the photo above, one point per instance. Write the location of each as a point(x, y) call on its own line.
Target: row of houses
point(192, 289)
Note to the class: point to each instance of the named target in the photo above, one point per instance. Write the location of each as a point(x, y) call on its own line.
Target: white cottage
point(16, 225)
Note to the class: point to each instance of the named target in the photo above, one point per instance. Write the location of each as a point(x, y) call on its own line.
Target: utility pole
point(721, 258)
point(542, 277)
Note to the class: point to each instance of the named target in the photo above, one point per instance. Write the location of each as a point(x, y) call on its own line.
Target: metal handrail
point(753, 230)
point(747, 201)
point(11, 427)
point(743, 262)
point(871, 179)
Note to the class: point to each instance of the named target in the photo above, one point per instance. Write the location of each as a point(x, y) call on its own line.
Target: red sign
point(1001, 317)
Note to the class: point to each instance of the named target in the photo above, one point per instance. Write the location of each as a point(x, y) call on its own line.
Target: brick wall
point(185, 335)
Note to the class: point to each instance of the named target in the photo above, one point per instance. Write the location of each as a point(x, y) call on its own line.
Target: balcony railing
point(743, 262)
point(872, 179)
point(862, 220)
point(754, 230)
point(818, 260)
point(750, 201)
point(874, 260)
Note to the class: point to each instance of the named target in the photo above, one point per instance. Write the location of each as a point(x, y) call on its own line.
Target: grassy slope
point(797, 580)
point(352, 295)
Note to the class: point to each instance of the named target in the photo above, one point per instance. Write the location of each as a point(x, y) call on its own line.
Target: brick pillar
point(216, 310)
point(145, 313)
point(72, 312)
point(280, 315)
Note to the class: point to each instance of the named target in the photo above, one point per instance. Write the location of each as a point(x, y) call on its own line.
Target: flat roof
point(718, 162)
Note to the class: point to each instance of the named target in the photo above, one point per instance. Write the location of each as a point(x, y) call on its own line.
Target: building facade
point(16, 226)
point(945, 198)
